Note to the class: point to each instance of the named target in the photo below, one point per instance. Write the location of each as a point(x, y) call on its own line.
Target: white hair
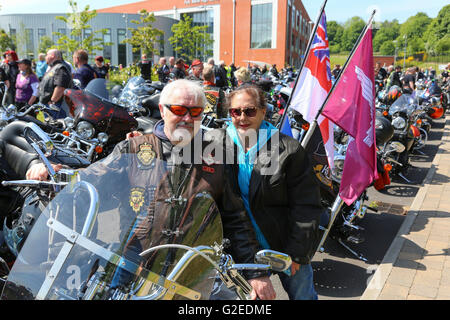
point(195, 90)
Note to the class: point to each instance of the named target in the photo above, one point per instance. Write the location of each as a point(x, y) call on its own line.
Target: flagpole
point(313, 126)
point(308, 47)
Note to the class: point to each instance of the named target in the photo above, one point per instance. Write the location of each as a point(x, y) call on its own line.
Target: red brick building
point(270, 31)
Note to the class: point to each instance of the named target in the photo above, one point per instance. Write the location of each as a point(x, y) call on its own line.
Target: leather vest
point(47, 84)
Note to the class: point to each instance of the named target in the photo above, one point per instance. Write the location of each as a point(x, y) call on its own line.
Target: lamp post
point(395, 51)
point(125, 16)
point(404, 54)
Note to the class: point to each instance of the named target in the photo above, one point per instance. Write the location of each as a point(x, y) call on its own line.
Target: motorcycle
point(96, 241)
point(140, 96)
point(96, 124)
point(33, 195)
point(29, 113)
point(405, 132)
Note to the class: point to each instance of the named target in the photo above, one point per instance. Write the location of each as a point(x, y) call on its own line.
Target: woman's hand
point(262, 288)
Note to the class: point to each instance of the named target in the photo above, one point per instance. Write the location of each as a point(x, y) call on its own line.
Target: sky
point(342, 10)
point(336, 10)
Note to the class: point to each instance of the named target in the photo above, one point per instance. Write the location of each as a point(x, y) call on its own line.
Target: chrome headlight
point(11, 109)
point(102, 137)
point(85, 130)
point(69, 122)
point(399, 123)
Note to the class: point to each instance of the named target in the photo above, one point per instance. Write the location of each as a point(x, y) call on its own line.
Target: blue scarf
point(246, 162)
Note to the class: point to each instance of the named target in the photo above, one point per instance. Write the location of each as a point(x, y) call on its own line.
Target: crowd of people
point(44, 81)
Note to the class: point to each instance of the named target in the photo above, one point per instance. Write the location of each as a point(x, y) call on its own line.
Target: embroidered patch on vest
point(146, 154)
point(137, 199)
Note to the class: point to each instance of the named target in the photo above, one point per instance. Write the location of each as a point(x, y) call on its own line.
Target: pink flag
point(313, 86)
point(352, 107)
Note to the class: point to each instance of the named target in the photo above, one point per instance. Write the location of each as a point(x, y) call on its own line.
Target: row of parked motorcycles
point(51, 246)
point(403, 123)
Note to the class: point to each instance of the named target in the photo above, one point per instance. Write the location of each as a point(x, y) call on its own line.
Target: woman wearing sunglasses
point(281, 197)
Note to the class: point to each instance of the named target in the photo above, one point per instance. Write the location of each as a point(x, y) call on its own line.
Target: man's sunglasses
point(249, 112)
point(181, 111)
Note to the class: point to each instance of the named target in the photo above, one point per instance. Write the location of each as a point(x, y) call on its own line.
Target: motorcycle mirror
point(53, 107)
point(278, 261)
point(398, 147)
point(33, 132)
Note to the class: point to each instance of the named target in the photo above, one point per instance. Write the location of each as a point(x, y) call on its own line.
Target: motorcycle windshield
point(136, 87)
point(404, 103)
point(88, 242)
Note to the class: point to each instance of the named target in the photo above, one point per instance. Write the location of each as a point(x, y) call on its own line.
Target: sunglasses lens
point(178, 110)
point(235, 112)
point(196, 111)
point(250, 112)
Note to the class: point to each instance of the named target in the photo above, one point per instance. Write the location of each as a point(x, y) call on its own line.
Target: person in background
point(163, 71)
point(380, 72)
point(41, 66)
point(11, 70)
point(215, 97)
point(420, 74)
point(145, 65)
point(26, 84)
point(336, 70)
point(179, 70)
point(409, 81)
point(84, 72)
point(197, 71)
point(273, 70)
point(100, 68)
point(242, 76)
point(395, 78)
point(55, 81)
point(171, 63)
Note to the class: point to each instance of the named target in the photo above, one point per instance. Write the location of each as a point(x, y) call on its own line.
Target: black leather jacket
point(286, 203)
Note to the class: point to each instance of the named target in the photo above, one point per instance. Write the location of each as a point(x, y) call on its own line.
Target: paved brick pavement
point(417, 264)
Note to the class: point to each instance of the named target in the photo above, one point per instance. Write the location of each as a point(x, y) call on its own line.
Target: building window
point(121, 47)
point(29, 42)
point(87, 33)
point(203, 18)
point(261, 26)
point(107, 49)
point(41, 33)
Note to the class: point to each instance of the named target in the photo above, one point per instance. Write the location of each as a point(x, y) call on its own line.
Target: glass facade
point(121, 47)
point(203, 18)
point(29, 42)
point(261, 26)
point(107, 50)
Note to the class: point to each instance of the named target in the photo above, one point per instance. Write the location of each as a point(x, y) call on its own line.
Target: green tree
point(388, 31)
point(81, 34)
point(190, 41)
point(45, 44)
point(6, 42)
point(443, 45)
point(352, 30)
point(387, 48)
point(437, 31)
point(414, 29)
point(334, 32)
point(144, 37)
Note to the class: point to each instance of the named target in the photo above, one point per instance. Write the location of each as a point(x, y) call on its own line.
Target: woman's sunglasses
point(249, 112)
point(181, 111)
